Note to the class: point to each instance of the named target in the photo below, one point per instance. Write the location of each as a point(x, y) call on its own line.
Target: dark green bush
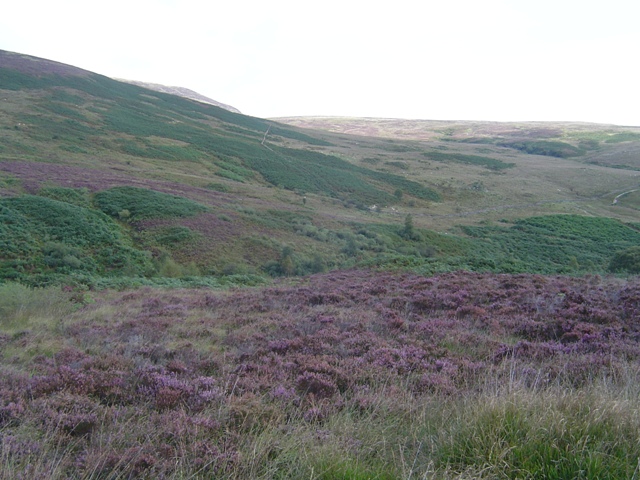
point(626, 261)
point(172, 235)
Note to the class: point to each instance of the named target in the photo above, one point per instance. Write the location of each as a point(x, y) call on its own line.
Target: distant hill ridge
point(180, 91)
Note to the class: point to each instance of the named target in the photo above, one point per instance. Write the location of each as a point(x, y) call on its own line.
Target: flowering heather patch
point(36, 175)
point(138, 379)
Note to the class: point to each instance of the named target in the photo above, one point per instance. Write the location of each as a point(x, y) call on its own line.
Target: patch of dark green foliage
point(626, 261)
point(74, 196)
point(168, 236)
point(40, 236)
point(552, 244)
point(544, 147)
point(623, 137)
point(135, 203)
point(479, 160)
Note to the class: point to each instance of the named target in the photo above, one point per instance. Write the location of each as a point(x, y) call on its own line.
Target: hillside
point(420, 299)
point(181, 92)
point(246, 197)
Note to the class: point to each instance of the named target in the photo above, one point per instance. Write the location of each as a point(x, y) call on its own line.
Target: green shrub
point(143, 204)
point(74, 196)
point(544, 147)
point(552, 244)
point(623, 137)
point(626, 261)
point(168, 236)
point(166, 266)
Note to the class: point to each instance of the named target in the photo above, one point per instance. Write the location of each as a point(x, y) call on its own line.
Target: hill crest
point(181, 92)
point(37, 66)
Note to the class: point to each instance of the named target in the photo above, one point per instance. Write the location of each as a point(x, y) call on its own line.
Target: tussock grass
point(515, 432)
point(22, 306)
point(557, 432)
point(590, 433)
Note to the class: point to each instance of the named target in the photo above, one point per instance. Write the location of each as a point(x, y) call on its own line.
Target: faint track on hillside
point(524, 205)
point(615, 200)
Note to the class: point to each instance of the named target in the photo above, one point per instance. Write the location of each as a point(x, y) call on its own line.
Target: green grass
point(553, 434)
point(20, 304)
point(630, 200)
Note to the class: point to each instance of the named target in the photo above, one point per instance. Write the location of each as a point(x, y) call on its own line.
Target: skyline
point(499, 60)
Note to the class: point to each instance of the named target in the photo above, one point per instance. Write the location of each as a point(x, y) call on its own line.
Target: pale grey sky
point(501, 60)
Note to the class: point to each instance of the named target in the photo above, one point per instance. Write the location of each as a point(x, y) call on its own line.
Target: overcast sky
point(502, 60)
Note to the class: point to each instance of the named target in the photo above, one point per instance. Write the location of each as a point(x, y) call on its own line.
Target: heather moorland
point(189, 292)
point(352, 374)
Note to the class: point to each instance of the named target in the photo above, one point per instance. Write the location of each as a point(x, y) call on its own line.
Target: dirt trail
point(615, 200)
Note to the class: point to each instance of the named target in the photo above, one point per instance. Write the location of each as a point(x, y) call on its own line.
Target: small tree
point(287, 266)
point(408, 231)
point(316, 264)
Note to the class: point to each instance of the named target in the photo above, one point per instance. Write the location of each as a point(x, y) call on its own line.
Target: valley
point(189, 292)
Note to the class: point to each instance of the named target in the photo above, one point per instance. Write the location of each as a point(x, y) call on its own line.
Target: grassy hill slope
point(244, 197)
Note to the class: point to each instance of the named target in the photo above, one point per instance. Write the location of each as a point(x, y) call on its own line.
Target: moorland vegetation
point(188, 292)
point(345, 375)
